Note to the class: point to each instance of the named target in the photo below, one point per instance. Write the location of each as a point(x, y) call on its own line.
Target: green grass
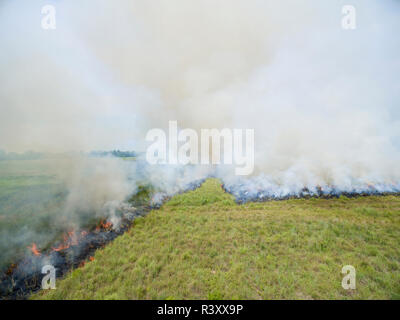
point(30, 199)
point(32, 206)
point(202, 245)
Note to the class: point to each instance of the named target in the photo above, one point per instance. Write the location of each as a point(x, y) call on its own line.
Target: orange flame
point(70, 239)
point(104, 225)
point(61, 247)
point(34, 249)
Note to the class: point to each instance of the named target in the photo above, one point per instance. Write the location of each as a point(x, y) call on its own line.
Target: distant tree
point(114, 153)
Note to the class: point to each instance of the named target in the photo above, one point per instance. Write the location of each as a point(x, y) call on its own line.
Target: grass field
point(34, 208)
point(30, 199)
point(202, 245)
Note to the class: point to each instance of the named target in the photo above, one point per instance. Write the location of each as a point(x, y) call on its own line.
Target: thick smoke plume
point(324, 101)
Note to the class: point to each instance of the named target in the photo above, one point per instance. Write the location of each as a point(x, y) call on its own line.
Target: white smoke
point(97, 186)
point(323, 101)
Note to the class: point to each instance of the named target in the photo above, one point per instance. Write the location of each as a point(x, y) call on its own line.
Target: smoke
point(96, 186)
point(57, 202)
point(323, 101)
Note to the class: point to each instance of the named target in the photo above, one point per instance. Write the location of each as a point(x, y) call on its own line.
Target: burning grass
point(202, 244)
point(62, 244)
point(24, 277)
point(30, 201)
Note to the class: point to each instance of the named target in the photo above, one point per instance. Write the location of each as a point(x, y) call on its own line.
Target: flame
point(83, 263)
point(104, 225)
point(61, 247)
point(73, 238)
point(70, 239)
point(34, 249)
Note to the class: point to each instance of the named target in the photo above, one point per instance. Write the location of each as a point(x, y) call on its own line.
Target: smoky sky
point(323, 101)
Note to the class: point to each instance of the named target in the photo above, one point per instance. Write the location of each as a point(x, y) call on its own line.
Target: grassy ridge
point(202, 245)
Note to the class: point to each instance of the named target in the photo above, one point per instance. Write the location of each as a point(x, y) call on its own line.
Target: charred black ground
point(24, 277)
point(242, 195)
